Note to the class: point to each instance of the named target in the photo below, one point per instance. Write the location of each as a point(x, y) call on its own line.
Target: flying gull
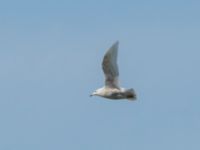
point(112, 90)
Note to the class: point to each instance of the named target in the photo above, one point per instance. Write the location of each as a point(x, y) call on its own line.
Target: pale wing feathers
point(110, 67)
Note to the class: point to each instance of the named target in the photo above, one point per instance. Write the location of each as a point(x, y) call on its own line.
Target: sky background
point(50, 62)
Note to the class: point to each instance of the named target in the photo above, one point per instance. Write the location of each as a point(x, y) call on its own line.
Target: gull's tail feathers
point(130, 94)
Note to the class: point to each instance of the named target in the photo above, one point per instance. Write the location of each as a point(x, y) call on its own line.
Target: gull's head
point(96, 93)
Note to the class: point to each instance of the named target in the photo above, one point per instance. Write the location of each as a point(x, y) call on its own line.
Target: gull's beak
point(93, 94)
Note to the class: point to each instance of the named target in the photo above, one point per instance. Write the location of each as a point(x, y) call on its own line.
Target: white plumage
point(112, 89)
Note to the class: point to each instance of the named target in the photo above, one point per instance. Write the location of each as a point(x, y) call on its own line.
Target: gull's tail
point(130, 94)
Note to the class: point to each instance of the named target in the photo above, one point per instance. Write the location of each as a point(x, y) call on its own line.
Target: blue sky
point(50, 62)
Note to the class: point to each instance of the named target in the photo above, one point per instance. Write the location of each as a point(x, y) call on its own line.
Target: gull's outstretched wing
point(110, 67)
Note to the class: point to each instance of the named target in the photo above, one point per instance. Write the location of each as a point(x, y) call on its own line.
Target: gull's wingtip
point(117, 42)
point(115, 45)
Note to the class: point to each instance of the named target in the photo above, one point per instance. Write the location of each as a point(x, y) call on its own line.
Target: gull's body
point(111, 89)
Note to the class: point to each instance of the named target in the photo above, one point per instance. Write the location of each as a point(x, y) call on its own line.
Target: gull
point(112, 90)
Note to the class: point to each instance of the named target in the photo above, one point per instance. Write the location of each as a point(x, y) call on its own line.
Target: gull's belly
point(114, 94)
point(117, 94)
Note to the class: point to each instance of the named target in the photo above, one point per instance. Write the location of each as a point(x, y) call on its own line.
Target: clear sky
point(50, 62)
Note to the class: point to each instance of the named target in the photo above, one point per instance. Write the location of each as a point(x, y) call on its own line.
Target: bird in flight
point(112, 90)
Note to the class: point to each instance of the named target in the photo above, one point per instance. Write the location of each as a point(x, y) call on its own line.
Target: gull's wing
point(110, 67)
